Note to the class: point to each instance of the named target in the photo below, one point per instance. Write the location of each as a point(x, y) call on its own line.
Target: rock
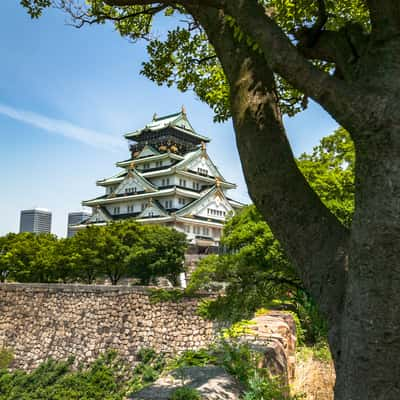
point(213, 383)
point(274, 335)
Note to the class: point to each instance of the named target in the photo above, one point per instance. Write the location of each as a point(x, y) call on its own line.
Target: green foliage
point(27, 257)
point(185, 393)
point(164, 295)
point(238, 329)
point(193, 358)
point(160, 253)
point(103, 380)
point(6, 358)
point(319, 351)
point(187, 60)
point(330, 172)
point(240, 361)
point(118, 250)
point(147, 370)
point(314, 328)
point(261, 388)
point(108, 378)
point(255, 269)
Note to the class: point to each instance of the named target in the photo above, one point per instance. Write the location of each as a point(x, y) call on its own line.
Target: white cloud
point(64, 128)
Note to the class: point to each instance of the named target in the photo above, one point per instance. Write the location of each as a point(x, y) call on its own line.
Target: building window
point(202, 171)
point(196, 230)
point(146, 165)
point(186, 228)
point(130, 208)
point(116, 210)
point(143, 206)
point(159, 163)
point(168, 204)
point(131, 190)
point(196, 185)
point(206, 231)
point(181, 201)
point(165, 182)
point(151, 214)
point(182, 182)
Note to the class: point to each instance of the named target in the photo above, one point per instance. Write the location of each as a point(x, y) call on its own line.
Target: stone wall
point(39, 321)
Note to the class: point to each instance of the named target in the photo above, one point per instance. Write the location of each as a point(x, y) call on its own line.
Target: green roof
point(178, 120)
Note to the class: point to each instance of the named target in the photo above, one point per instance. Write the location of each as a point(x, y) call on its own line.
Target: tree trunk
point(369, 365)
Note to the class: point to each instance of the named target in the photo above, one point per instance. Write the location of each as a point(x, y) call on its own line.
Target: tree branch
point(283, 58)
point(315, 31)
point(84, 18)
point(312, 237)
point(207, 3)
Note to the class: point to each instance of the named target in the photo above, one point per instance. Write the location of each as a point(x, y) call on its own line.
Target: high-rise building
point(169, 179)
point(75, 218)
point(37, 220)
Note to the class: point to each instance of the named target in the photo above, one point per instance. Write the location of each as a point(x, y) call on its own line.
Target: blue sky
point(66, 98)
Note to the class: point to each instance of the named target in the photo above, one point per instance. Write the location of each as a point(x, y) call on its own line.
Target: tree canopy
point(115, 251)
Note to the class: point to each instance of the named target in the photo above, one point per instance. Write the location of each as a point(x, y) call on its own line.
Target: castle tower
point(169, 179)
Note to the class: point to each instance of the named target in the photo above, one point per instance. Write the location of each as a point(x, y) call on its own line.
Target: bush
point(6, 358)
point(185, 393)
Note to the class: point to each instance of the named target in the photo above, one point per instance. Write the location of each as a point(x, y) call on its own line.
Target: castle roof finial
point(203, 146)
point(183, 110)
point(154, 116)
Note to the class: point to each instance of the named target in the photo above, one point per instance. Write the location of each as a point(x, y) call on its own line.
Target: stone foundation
point(38, 321)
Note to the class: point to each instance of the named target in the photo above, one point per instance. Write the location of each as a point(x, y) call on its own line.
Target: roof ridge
point(167, 116)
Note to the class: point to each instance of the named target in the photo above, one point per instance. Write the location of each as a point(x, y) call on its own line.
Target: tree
point(121, 241)
point(6, 243)
point(161, 254)
point(30, 257)
point(343, 55)
point(255, 270)
point(330, 172)
point(86, 259)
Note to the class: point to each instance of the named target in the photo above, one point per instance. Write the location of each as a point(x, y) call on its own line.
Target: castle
point(169, 179)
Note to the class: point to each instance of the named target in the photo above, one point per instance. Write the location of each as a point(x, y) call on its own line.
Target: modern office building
point(37, 220)
point(75, 218)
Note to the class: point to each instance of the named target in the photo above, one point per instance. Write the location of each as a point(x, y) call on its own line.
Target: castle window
point(181, 201)
point(206, 231)
point(202, 171)
point(182, 182)
point(168, 204)
point(165, 182)
point(130, 190)
point(130, 208)
point(143, 206)
point(116, 210)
